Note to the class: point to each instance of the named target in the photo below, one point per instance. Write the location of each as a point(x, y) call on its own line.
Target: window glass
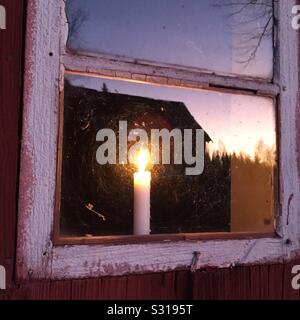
point(224, 36)
point(235, 192)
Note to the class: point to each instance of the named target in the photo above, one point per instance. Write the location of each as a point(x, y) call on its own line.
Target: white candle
point(142, 183)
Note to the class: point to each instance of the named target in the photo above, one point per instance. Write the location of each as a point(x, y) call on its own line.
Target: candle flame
point(142, 160)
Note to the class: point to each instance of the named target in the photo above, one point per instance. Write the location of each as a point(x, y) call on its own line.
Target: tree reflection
point(252, 22)
point(98, 200)
point(75, 19)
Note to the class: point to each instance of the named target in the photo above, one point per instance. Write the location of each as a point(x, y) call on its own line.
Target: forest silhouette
point(234, 193)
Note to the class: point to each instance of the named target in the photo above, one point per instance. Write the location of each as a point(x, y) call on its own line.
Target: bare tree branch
point(248, 12)
point(75, 19)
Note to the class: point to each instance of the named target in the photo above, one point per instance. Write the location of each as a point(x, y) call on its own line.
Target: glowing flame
point(142, 160)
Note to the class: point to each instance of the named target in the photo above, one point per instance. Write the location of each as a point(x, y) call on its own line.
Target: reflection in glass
point(218, 35)
point(234, 193)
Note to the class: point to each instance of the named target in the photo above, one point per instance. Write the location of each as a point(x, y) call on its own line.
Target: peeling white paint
point(38, 258)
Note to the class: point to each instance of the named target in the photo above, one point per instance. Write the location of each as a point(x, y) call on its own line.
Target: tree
point(76, 17)
point(246, 15)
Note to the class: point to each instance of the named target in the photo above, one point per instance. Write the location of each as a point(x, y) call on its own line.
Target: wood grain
point(260, 282)
point(38, 258)
point(11, 57)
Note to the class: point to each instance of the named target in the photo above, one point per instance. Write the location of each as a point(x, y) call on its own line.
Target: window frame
point(46, 61)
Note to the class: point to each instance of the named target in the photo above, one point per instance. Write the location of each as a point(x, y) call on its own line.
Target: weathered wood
point(286, 76)
point(267, 281)
point(250, 282)
point(162, 238)
point(39, 259)
point(11, 54)
point(110, 68)
point(247, 282)
point(43, 22)
point(297, 118)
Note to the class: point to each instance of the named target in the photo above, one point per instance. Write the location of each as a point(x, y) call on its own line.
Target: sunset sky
point(202, 34)
point(238, 121)
point(191, 33)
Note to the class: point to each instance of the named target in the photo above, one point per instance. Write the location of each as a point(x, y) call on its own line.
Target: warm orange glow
point(142, 160)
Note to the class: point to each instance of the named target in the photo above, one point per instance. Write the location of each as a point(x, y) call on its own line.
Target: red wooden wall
point(11, 58)
point(255, 282)
point(247, 282)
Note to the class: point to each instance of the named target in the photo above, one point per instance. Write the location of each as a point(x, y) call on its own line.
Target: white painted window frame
point(45, 62)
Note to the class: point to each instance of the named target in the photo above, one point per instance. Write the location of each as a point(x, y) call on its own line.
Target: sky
point(239, 121)
point(192, 33)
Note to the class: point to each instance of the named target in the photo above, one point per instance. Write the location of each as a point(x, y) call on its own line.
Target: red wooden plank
point(212, 284)
point(85, 289)
point(15, 293)
point(240, 283)
point(145, 287)
point(183, 285)
point(259, 284)
point(275, 280)
point(247, 282)
point(113, 288)
point(38, 290)
point(50, 290)
point(11, 55)
point(202, 289)
point(174, 285)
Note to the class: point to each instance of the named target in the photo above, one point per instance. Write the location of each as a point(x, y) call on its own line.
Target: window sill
point(38, 258)
point(161, 238)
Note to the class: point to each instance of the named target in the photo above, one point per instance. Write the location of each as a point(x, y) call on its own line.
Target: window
point(234, 193)
point(234, 84)
point(218, 35)
point(236, 190)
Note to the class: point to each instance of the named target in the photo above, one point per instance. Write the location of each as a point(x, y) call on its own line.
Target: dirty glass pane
point(234, 192)
point(223, 36)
